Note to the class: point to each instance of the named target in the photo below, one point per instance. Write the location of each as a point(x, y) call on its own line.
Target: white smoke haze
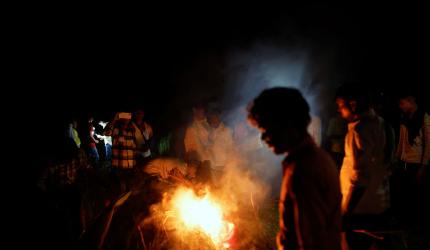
point(240, 195)
point(248, 189)
point(248, 73)
point(267, 65)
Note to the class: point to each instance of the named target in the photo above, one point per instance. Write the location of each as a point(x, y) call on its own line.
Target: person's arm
point(352, 200)
point(92, 136)
point(283, 237)
point(286, 237)
point(108, 131)
point(148, 131)
point(99, 136)
point(362, 146)
point(178, 177)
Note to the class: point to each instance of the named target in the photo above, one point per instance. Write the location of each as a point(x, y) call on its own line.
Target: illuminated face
point(199, 113)
point(343, 109)
point(407, 105)
point(214, 121)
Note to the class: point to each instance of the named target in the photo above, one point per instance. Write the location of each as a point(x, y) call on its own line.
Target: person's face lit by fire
point(345, 109)
point(214, 120)
point(407, 105)
point(199, 113)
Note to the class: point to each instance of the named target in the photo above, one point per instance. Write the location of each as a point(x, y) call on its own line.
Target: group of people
point(126, 150)
point(319, 207)
point(369, 171)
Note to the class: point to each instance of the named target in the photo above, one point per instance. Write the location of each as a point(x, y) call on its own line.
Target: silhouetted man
point(310, 196)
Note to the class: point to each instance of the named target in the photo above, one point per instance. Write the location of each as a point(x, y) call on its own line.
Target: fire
point(203, 214)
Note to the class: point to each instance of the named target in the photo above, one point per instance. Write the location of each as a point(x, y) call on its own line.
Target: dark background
point(80, 61)
point(75, 61)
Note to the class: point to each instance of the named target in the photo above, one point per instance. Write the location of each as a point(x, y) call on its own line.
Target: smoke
point(241, 196)
point(248, 72)
point(246, 200)
point(251, 180)
point(266, 65)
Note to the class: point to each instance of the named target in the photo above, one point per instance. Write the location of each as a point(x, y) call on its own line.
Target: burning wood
point(195, 220)
point(162, 215)
point(201, 214)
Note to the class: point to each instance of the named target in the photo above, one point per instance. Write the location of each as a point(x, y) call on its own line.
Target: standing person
point(123, 149)
point(310, 196)
point(413, 151)
point(61, 181)
point(363, 175)
point(73, 133)
point(221, 147)
point(108, 143)
point(144, 136)
point(92, 143)
point(196, 139)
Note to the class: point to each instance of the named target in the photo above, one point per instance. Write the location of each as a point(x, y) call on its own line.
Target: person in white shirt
point(107, 140)
point(413, 152)
point(314, 129)
point(220, 137)
point(363, 175)
point(196, 140)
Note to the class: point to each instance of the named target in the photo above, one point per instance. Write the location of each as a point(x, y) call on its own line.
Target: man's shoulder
point(316, 158)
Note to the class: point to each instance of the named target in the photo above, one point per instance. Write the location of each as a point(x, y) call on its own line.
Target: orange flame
point(203, 214)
